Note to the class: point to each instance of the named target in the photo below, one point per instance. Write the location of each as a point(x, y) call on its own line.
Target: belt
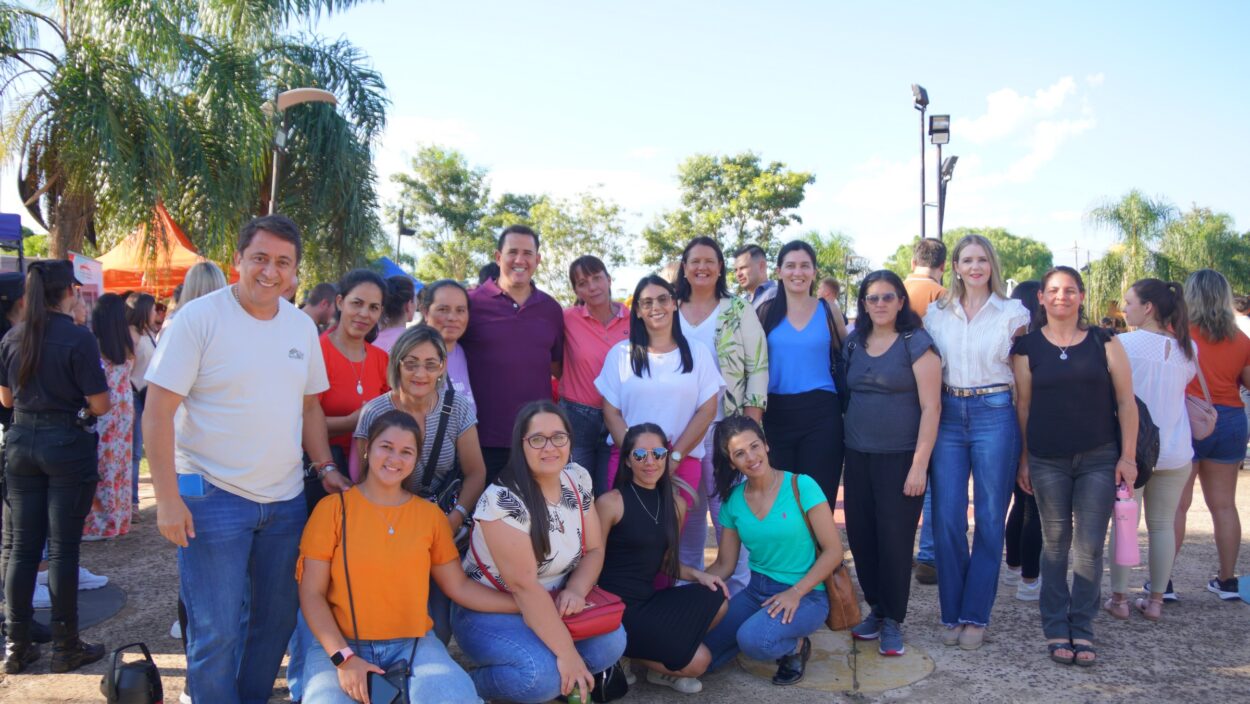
point(45, 418)
point(978, 391)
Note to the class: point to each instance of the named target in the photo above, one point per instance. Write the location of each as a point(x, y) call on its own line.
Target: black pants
point(50, 478)
point(1024, 535)
point(881, 528)
point(495, 459)
point(805, 436)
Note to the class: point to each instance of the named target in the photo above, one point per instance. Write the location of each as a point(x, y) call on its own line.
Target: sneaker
point(926, 573)
point(1029, 592)
point(868, 629)
point(175, 631)
point(87, 580)
point(1011, 576)
point(1225, 589)
point(627, 668)
point(184, 698)
point(1169, 594)
point(43, 597)
point(685, 685)
point(891, 639)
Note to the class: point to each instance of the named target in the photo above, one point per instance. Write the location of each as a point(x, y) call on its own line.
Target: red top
point(1221, 364)
point(341, 399)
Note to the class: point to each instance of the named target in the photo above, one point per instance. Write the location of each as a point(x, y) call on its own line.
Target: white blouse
point(1160, 375)
point(977, 352)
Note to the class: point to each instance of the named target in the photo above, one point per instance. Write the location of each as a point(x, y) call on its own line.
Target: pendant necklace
point(360, 387)
point(655, 517)
point(1063, 349)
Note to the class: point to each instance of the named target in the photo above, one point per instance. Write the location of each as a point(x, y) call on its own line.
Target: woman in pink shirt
point(591, 328)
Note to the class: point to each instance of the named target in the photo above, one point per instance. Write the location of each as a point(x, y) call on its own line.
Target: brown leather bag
point(843, 601)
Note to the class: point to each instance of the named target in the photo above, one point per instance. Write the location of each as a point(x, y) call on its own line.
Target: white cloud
point(1007, 111)
point(1094, 80)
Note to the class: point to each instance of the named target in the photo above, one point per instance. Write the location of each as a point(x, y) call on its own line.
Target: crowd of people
point(357, 490)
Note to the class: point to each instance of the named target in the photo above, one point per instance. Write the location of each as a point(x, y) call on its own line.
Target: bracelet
point(463, 511)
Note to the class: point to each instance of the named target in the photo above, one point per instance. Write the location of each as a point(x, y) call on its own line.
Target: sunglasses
point(658, 454)
point(886, 298)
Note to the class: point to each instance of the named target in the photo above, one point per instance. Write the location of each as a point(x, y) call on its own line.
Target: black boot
point(19, 651)
point(39, 633)
point(68, 652)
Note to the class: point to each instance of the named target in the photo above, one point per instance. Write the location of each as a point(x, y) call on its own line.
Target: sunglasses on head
point(658, 454)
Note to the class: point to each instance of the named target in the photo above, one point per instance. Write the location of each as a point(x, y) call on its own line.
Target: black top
point(69, 368)
point(635, 548)
point(884, 413)
point(1072, 408)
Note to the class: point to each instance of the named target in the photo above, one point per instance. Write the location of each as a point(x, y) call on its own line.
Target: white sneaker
point(184, 698)
point(1011, 576)
point(88, 580)
point(627, 668)
point(175, 631)
point(1029, 592)
point(43, 597)
point(685, 685)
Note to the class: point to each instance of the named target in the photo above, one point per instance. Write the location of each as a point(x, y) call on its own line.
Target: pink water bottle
point(1127, 553)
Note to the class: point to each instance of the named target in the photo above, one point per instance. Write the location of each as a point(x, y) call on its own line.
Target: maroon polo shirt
point(509, 348)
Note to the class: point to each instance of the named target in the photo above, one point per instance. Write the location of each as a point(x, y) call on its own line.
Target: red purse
point(603, 610)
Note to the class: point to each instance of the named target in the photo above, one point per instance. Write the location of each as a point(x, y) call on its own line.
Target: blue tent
point(389, 268)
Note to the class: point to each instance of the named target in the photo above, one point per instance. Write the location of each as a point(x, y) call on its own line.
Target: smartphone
point(191, 485)
point(381, 691)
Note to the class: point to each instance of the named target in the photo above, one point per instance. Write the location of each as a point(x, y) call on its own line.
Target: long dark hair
point(725, 474)
point(1168, 298)
point(668, 507)
point(907, 319)
point(386, 421)
point(47, 284)
point(398, 292)
point(139, 307)
point(1040, 317)
point(351, 280)
point(108, 322)
point(516, 477)
point(1026, 292)
point(776, 306)
point(683, 286)
point(640, 339)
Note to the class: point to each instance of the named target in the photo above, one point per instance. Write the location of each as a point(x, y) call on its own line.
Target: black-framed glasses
point(640, 454)
point(886, 298)
point(538, 442)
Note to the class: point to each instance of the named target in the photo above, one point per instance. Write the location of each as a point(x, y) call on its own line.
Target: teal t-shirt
point(781, 545)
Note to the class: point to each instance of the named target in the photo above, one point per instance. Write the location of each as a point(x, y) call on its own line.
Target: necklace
point(360, 387)
point(386, 518)
point(655, 517)
point(1063, 349)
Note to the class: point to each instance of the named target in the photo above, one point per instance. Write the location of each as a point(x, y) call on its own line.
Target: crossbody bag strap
point(485, 572)
point(427, 477)
point(347, 576)
point(794, 486)
point(1202, 381)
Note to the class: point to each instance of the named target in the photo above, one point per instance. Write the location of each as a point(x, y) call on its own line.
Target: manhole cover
point(834, 667)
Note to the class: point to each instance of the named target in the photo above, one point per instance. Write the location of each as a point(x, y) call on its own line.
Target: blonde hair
point(1209, 300)
point(201, 279)
point(956, 291)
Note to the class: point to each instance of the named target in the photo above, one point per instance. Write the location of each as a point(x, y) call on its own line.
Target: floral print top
point(742, 350)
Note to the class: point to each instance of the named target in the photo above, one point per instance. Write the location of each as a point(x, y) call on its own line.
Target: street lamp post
point(921, 101)
point(288, 99)
point(944, 177)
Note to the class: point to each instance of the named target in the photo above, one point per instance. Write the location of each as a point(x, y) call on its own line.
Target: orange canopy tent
point(129, 267)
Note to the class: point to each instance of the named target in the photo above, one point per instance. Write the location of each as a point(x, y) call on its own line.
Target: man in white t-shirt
point(232, 396)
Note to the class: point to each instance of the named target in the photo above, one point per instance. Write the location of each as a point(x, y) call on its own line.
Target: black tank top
point(1072, 408)
point(635, 547)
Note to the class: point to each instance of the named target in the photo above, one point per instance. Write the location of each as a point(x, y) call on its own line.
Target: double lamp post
point(939, 131)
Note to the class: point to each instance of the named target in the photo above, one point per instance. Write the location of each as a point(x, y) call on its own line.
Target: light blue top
point(798, 360)
point(781, 546)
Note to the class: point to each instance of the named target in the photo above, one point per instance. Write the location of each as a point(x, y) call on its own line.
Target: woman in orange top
point(364, 581)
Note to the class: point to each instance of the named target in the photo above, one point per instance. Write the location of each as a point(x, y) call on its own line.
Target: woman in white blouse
point(973, 325)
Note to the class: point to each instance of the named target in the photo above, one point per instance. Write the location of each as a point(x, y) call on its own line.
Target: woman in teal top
point(785, 601)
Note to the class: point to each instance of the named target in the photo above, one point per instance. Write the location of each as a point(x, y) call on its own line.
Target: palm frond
point(339, 67)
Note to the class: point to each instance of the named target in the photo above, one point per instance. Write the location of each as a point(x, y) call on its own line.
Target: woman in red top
point(1224, 362)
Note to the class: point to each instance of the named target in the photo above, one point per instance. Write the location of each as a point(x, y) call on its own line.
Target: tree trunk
point(69, 226)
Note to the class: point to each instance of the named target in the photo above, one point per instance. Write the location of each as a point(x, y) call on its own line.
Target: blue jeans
point(590, 442)
point(977, 435)
point(296, 650)
point(435, 678)
point(514, 664)
point(925, 552)
point(242, 557)
point(749, 628)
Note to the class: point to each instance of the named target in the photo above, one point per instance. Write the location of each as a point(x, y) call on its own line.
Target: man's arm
point(172, 517)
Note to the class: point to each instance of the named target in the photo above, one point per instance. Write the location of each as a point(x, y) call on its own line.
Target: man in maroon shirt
point(514, 343)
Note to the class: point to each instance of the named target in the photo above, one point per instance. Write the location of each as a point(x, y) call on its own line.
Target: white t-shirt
point(705, 334)
point(1243, 323)
point(664, 395)
point(1160, 375)
point(244, 381)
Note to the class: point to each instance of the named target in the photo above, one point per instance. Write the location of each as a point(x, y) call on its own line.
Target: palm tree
point(1138, 221)
point(113, 106)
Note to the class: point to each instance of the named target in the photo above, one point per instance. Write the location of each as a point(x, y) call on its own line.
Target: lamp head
point(940, 129)
point(920, 95)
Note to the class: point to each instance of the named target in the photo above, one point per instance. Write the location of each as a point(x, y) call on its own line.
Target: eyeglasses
point(658, 454)
point(886, 298)
point(412, 366)
point(661, 301)
point(538, 442)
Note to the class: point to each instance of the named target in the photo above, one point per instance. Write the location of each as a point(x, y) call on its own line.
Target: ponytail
point(35, 321)
point(1170, 312)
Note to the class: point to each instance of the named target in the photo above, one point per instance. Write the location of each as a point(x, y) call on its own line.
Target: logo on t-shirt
point(295, 354)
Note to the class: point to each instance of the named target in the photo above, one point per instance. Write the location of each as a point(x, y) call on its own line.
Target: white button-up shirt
point(977, 352)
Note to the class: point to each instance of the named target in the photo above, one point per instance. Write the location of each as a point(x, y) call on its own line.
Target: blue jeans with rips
point(979, 437)
point(435, 678)
point(514, 664)
point(242, 557)
point(747, 627)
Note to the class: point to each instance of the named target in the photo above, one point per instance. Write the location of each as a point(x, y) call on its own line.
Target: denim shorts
point(1227, 445)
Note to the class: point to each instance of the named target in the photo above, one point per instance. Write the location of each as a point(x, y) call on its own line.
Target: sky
point(1055, 107)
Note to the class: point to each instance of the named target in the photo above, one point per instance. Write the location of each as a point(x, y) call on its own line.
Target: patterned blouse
point(742, 351)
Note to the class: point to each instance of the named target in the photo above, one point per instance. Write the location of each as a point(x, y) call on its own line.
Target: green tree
point(737, 200)
point(1203, 239)
point(1021, 258)
point(587, 224)
point(130, 103)
point(449, 201)
point(836, 257)
point(1138, 222)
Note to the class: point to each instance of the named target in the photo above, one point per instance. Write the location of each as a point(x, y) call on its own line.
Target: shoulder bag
point(396, 677)
point(1147, 431)
point(843, 601)
point(603, 610)
point(445, 493)
point(1202, 414)
point(837, 362)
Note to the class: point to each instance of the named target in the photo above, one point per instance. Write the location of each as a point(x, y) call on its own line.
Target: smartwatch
point(341, 656)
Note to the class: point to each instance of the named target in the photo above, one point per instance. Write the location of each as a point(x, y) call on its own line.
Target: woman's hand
point(1022, 476)
point(354, 677)
point(785, 603)
point(1126, 472)
point(569, 602)
point(573, 673)
point(711, 582)
point(916, 480)
point(455, 519)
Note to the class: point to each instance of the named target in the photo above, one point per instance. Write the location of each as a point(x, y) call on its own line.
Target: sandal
point(1117, 606)
point(1077, 649)
point(1151, 609)
point(1054, 649)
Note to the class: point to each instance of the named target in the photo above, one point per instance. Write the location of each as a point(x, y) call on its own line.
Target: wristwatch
point(326, 469)
point(676, 456)
point(341, 656)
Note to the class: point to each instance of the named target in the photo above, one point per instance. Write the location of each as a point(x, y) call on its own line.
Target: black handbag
point(396, 677)
point(1147, 431)
point(133, 682)
point(837, 361)
point(610, 685)
point(445, 493)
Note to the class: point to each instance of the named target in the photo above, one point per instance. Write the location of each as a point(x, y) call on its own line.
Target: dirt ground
point(1200, 652)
